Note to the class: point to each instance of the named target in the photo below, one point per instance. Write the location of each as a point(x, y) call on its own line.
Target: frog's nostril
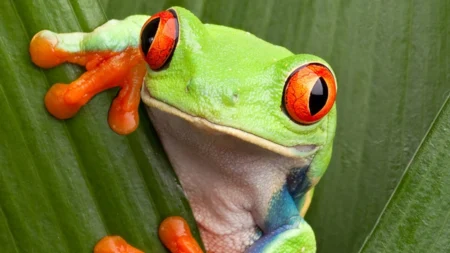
point(188, 86)
point(235, 97)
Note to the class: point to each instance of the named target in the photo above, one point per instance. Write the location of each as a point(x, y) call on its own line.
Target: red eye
point(159, 37)
point(309, 93)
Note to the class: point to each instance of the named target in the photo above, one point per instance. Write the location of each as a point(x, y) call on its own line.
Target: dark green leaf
point(417, 217)
point(392, 60)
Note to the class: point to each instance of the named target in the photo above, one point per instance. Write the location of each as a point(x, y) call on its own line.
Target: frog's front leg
point(284, 229)
point(112, 58)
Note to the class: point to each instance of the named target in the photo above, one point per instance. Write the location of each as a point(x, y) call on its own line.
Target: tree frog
point(248, 126)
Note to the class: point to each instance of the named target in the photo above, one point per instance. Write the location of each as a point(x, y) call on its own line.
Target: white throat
point(229, 182)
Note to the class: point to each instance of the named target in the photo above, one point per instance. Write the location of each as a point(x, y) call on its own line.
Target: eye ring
point(159, 37)
point(309, 93)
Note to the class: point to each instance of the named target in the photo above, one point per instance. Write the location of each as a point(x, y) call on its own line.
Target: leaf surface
point(417, 217)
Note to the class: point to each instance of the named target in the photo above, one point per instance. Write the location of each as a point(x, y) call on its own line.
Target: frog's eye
point(159, 37)
point(309, 93)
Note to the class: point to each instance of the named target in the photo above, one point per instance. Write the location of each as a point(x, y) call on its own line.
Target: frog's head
point(238, 84)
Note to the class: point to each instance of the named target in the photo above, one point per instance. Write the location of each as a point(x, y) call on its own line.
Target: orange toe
point(56, 105)
point(114, 244)
point(123, 117)
point(43, 50)
point(175, 234)
point(121, 121)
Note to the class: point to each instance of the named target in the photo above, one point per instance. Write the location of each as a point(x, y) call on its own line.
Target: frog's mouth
point(294, 151)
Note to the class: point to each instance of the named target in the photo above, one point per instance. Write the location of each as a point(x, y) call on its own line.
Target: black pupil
point(318, 96)
point(148, 35)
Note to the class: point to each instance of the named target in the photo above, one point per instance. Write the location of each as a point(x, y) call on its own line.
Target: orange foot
point(114, 244)
point(174, 232)
point(105, 69)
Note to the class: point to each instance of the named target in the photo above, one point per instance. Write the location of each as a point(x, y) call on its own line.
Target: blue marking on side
point(284, 204)
point(282, 215)
point(298, 184)
point(282, 210)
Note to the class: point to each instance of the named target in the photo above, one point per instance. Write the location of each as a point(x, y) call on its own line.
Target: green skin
point(233, 81)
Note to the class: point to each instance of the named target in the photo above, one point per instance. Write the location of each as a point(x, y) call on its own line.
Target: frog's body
point(247, 165)
point(230, 183)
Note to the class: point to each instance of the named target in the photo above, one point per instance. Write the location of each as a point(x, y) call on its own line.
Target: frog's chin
point(294, 151)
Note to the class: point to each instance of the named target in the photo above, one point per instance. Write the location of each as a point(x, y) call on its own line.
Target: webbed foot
point(109, 62)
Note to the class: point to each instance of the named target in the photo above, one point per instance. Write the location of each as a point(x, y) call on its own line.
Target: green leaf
point(391, 60)
point(417, 217)
point(65, 184)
